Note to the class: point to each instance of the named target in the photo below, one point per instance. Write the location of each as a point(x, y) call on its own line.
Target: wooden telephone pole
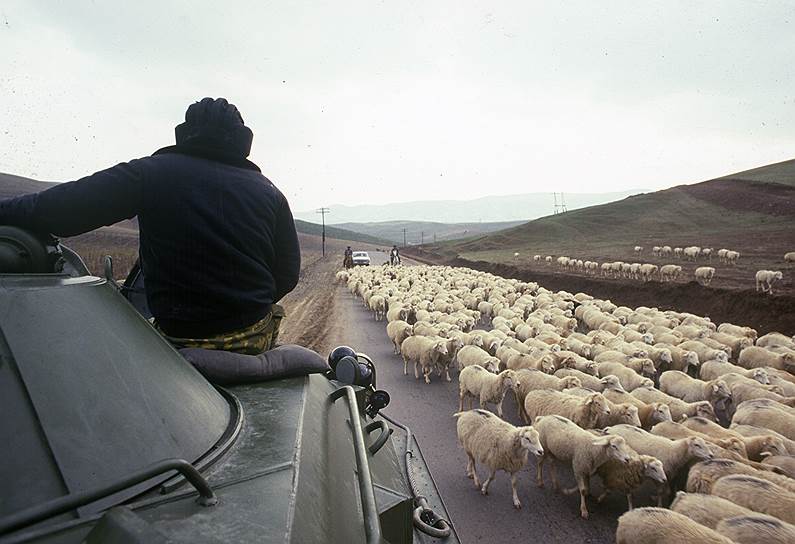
point(323, 212)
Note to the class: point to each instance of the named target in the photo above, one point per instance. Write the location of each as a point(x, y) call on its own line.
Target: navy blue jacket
point(217, 239)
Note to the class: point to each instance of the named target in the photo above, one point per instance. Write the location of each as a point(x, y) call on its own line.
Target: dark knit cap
point(216, 124)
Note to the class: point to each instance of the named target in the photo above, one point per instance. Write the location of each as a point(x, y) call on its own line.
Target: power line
point(323, 212)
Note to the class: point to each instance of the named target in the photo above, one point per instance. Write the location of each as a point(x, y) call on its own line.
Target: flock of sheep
point(635, 396)
point(668, 272)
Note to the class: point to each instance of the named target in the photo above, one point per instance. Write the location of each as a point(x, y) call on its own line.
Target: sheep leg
point(461, 402)
point(416, 370)
point(540, 471)
point(582, 483)
point(471, 472)
point(484, 489)
point(447, 374)
point(603, 496)
point(426, 372)
point(516, 502)
point(405, 366)
point(553, 471)
point(629, 501)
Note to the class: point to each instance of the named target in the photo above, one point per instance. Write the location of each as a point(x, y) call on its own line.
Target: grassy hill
point(747, 208)
point(417, 231)
point(780, 172)
point(338, 233)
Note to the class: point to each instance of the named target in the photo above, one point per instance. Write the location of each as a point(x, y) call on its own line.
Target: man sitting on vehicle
point(218, 246)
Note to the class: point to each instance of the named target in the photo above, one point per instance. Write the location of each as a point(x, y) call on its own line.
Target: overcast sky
point(373, 102)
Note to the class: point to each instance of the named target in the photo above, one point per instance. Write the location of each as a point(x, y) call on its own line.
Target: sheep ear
point(604, 441)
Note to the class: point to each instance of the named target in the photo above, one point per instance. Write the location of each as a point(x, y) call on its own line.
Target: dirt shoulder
point(743, 307)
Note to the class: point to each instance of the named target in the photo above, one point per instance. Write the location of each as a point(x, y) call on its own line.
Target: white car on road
point(361, 258)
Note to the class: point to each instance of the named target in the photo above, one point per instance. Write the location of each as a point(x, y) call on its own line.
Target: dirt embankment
point(743, 307)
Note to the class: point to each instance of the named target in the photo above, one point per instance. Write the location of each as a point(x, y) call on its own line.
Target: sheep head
point(529, 440)
point(492, 364)
point(597, 404)
point(697, 447)
point(615, 447)
point(773, 445)
point(761, 375)
point(570, 382)
point(647, 368)
point(660, 412)
point(653, 469)
point(611, 382)
point(628, 413)
point(704, 409)
point(719, 390)
point(509, 380)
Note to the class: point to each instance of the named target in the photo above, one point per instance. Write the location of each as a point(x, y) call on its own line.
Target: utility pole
point(404, 237)
point(323, 212)
point(559, 208)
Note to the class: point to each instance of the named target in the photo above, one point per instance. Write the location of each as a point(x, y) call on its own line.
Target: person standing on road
point(347, 259)
point(394, 255)
point(218, 246)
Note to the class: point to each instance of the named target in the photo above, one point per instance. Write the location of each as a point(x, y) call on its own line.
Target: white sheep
point(377, 304)
point(766, 278)
point(775, 339)
point(789, 257)
point(753, 528)
point(398, 331)
point(705, 509)
point(639, 249)
point(757, 448)
point(477, 382)
point(757, 494)
point(703, 475)
point(651, 525)
point(691, 253)
point(630, 380)
point(489, 440)
point(756, 357)
point(704, 275)
point(732, 257)
point(424, 352)
point(678, 407)
point(564, 441)
point(473, 355)
point(670, 272)
point(589, 381)
point(680, 385)
point(585, 412)
point(674, 454)
point(768, 414)
point(649, 414)
point(625, 478)
point(736, 330)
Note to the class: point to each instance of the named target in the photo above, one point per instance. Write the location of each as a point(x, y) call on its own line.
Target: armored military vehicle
point(110, 435)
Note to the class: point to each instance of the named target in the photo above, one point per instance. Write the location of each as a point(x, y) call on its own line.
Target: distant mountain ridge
point(519, 207)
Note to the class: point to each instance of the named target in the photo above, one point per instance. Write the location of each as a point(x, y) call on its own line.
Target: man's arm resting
point(68, 209)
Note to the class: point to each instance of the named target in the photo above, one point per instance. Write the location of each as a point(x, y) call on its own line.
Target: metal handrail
point(372, 524)
point(48, 509)
point(382, 438)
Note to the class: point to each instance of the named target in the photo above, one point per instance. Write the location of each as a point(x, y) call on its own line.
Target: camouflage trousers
point(251, 340)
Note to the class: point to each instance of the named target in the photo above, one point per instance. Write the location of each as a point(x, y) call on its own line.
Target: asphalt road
point(546, 516)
